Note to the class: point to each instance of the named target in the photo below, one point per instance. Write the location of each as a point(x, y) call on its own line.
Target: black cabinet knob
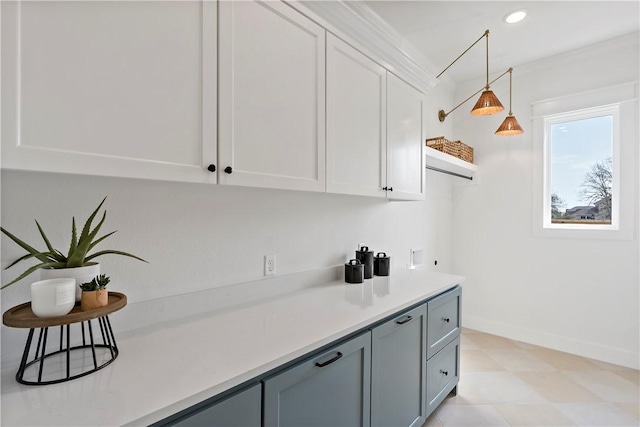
point(446, 319)
point(390, 188)
point(445, 373)
point(211, 168)
point(228, 169)
point(384, 188)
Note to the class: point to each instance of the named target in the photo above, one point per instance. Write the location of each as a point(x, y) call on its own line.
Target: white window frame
point(619, 101)
point(589, 113)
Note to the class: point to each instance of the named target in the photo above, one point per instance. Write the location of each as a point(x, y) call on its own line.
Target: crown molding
point(359, 26)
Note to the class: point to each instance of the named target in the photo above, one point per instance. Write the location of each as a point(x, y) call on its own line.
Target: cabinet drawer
point(443, 320)
point(442, 374)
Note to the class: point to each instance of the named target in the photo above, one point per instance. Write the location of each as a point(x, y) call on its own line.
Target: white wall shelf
point(449, 164)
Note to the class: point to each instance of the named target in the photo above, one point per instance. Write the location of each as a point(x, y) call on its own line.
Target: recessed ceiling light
point(515, 16)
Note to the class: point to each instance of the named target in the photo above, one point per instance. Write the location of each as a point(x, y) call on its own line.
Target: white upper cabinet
point(110, 88)
point(229, 92)
point(374, 128)
point(405, 140)
point(271, 97)
point(356, 122)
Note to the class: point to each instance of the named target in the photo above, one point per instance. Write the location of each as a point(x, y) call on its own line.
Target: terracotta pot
point(94, 299)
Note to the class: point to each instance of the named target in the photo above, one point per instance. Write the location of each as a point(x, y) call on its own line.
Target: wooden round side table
point(21, 316)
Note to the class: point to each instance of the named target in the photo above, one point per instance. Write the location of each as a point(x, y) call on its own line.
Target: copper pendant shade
point(487, 104)
point(509, 127)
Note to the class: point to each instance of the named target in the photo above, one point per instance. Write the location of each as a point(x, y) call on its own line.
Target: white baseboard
point(616, 356)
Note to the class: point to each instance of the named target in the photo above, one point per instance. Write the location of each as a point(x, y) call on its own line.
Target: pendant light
point(488, 103)
point(510, 125)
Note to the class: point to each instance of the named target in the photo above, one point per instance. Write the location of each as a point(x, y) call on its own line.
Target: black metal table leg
point(93, 347)
point(44, 347)
point(113, 337)
point(39, 343)
point(84, 342)
point(104, 339)
point(108, 343)
point(25, 356)
point(68, 351)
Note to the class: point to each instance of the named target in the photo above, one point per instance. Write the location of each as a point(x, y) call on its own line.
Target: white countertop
point(181, 358)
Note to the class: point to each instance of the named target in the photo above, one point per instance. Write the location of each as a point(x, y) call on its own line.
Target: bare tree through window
point(596, 189)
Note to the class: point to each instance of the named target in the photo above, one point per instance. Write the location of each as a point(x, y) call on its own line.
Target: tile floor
point(510, 383)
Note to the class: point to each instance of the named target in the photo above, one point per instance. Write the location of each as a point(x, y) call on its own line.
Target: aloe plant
point(96, 284)
point(77, 255)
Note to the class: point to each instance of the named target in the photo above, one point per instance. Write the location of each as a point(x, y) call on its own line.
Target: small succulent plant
point(98, 283)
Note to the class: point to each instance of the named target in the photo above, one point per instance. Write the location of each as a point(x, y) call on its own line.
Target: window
point(580, 170)
point(584, 155)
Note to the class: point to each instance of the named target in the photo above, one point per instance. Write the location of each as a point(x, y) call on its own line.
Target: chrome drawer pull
point(330, 361)
point(445, 373)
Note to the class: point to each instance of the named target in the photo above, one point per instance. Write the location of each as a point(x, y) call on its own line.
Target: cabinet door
point(328, 390)
point(240, 410)
point(110, 88)
point(398, 370)
point(271, 97)
point(405, 140)
point(356, 122)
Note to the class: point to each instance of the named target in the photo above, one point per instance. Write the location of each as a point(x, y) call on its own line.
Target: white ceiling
point(442, 30)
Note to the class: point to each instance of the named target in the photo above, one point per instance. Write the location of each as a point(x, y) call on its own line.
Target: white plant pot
point(53, 297)
point(80, 274)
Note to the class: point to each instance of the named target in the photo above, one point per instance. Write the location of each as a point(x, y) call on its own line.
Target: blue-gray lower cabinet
point(398, 370)
point(443, 373)
point(332, 389)
point(243, 409)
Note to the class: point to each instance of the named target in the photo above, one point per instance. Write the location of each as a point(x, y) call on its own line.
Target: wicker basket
point(453, 148)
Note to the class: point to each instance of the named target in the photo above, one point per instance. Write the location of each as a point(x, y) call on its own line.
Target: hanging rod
point(470, 178)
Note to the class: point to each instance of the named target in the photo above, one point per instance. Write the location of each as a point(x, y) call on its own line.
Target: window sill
point(578, 231)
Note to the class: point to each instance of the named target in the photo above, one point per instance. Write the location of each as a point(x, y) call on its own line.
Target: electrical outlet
point(416, 257)
point(269, 265)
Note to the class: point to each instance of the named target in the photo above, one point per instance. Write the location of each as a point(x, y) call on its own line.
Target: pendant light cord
point(510, 89)
point(487, 50)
